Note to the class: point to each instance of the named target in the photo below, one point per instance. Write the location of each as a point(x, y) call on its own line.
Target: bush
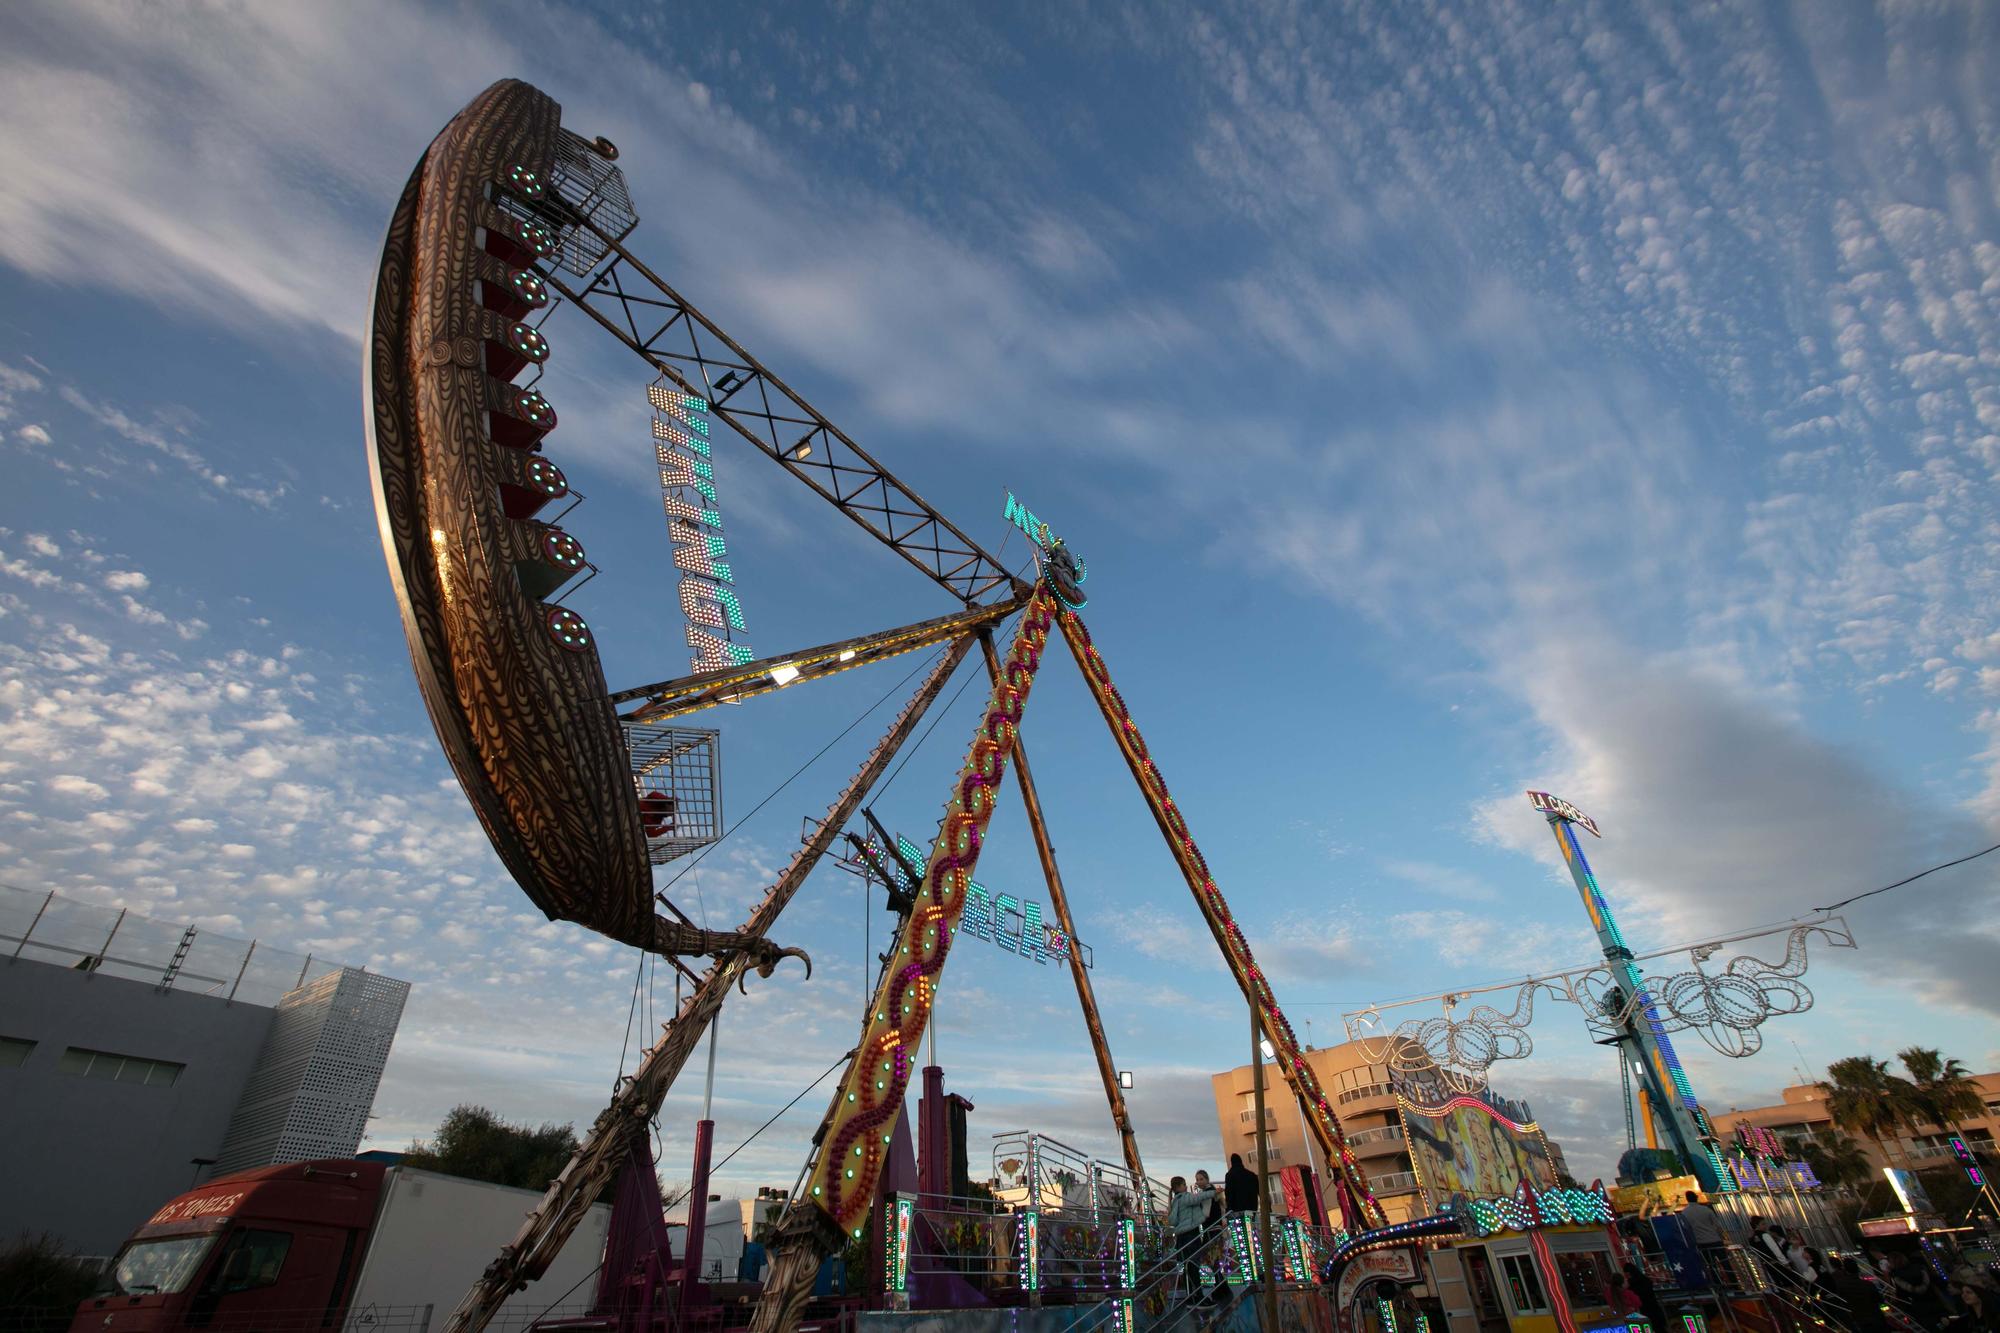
point(40, 1285)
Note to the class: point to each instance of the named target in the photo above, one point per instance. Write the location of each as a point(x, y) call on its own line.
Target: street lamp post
point(1270, 1283)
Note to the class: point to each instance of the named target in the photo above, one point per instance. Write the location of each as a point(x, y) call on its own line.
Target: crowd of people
point(1858, 1284)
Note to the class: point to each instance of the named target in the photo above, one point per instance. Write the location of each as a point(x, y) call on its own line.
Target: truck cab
point(279, 1246)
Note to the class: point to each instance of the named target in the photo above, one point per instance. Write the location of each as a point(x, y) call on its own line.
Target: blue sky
point(1449, 400)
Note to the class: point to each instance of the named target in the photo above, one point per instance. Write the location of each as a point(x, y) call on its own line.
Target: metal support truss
point(1100, 1045)
point(690, 694)
point(851, 1148)
point(1235, 948)
point(550, 1223)
point(654, 320)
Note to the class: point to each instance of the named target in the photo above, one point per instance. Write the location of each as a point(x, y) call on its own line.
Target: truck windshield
point(164, 1265)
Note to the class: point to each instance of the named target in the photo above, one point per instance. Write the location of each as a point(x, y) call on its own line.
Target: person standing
point(1649, 1299)
point(1916, 1289)
point(1211, 1233)
point(1978, 1312)
point(1858, 1294)
point(1704, 1228)
point(1186, 1211)
point(1239, 1186)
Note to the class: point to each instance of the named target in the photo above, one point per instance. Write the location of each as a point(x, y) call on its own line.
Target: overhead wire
point(1909, 879)
point(732, 829)
point(803, 1093)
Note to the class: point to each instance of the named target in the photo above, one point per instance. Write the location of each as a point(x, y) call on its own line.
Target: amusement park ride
point(583, 789)
point(506, 212)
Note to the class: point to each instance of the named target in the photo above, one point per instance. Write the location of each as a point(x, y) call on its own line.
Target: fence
point(49, 928)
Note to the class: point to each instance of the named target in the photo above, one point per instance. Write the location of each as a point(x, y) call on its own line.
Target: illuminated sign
point(1065, 573)
point(1561, 809)
point(1011, 924)
point(687, 493)
point(1968, 1161)
point(1909, 1191)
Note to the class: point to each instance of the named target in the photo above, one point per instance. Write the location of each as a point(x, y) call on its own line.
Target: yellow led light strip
point(691, 694)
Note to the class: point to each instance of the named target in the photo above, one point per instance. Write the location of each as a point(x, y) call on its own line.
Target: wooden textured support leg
point(853, 1141)
point(551, 1222)
point(1215, 910)
point(1107, 1069)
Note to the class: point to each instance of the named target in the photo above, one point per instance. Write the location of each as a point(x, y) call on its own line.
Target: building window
point(119, 1068)
point(14, 1052)
point(1524, 1284)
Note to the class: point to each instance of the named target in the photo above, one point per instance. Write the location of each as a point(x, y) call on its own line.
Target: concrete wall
point(88, 1159)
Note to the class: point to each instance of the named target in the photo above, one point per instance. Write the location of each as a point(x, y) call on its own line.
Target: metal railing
point(1032, 1170)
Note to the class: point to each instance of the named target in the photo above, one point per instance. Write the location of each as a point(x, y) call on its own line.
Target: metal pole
point(602, 1150)
point(22, 943)
point(1270, 1292)
point(1100, 1045)
point(1229, 937)
point(240, 971)
point(302, 972)
point(105, 952)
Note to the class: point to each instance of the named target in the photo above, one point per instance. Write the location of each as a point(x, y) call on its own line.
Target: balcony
point(1372, 1092)
point(1393, 1182)
point(1376, 1142)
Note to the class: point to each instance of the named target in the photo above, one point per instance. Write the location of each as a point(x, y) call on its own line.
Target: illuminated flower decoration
point(1729, 1007)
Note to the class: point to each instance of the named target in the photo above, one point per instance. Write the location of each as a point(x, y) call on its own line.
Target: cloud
point(126, 580)
point(32, 434)
point(1722, 812)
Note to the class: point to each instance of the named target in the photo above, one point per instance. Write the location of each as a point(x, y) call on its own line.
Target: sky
point(1448, 399)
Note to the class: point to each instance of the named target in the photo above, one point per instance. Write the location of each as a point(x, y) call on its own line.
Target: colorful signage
point(1557, 806)
point(1011, 924)
point(687, 490)
point(1466, 1149)
point(1065, 573)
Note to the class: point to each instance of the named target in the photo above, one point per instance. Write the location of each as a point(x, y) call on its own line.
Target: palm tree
point(1836, 1159)
point(1942, 1090)
point(1863, 1097)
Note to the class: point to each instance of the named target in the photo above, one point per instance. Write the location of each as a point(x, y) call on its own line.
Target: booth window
point(14, 1051)
point(1524, 1284)
point(1585, 1277)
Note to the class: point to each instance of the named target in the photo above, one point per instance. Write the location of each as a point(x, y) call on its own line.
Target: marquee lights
point(524, 182)
point(528, 342)
point(547, 478)
point(687, 494)
point(1557, 806)
point(1028, 1242)
point(986, 916)
point(562, 550)
point(566, 627)
point(535, 409)
point(1064, 573)
point(1528, 1209)
point(528, 285)
point(1386, 1313)
point(863, 1114)
point(901, 1211)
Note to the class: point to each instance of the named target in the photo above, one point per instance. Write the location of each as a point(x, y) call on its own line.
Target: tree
point(473, 1142)
point(1864, 1098)
point(1836, 1159)
point(1942, 1090)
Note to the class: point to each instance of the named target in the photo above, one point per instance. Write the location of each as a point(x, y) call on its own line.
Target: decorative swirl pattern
point(871, 1093)
point(1215, 910)
point(1727, 1008)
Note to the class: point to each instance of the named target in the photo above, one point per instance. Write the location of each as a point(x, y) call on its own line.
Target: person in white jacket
point(1186, 1211)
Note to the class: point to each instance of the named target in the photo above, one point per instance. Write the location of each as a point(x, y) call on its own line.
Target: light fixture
point(847, 654)
point(1125, 1078)
point(1264, 1045)
point(784, 675)
point(727, 382)
point(801, 451)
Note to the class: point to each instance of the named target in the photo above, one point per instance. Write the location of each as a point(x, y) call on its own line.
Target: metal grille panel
point(678, 773)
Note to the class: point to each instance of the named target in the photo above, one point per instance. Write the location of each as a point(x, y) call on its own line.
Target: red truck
point(325, 1246)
